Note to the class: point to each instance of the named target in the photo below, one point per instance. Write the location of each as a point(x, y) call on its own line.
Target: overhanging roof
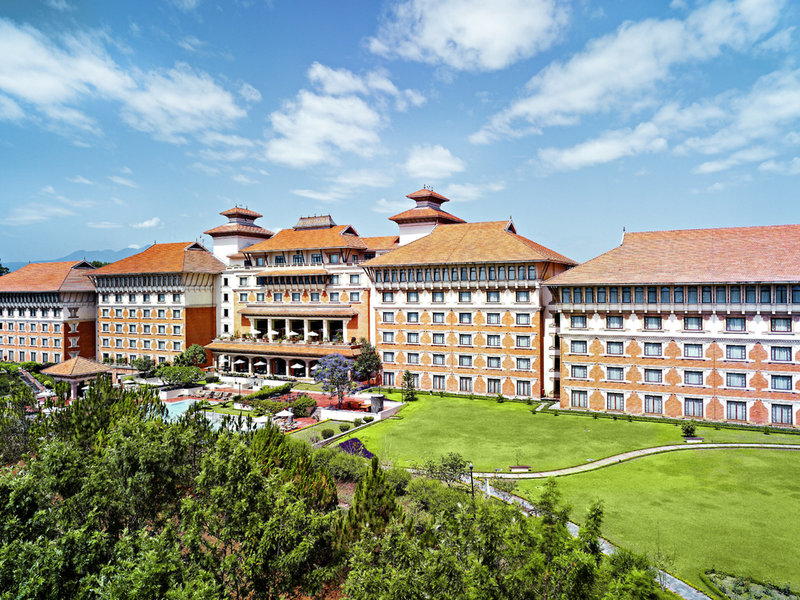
point(305, 311)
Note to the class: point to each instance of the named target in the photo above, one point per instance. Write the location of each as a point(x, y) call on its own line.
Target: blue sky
point(124, 123)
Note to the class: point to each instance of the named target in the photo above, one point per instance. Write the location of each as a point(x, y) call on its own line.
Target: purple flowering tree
point(333, 372)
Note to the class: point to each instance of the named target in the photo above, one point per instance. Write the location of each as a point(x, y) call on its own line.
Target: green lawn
point(305, 434)
point(496, 435)
point(313, 387)
point(734, 510)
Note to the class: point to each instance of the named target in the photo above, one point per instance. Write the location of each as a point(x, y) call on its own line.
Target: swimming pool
point(176, 409)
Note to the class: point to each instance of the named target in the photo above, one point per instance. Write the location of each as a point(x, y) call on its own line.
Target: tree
point(409, 390)
point(179, 375)
point(193, 356)
point(368, 363)
point(3, 270)
point(98, 263)
point(145, 365)
point(333, 372)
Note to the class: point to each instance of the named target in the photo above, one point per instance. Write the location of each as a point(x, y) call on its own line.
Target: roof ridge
point(730, 228)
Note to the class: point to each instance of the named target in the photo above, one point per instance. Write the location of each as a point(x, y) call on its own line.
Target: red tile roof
point(179, 257)
point(731, 255)
point(77, 367)
point(425, 213)
point(426, 194)
point(493, 241)
point(238, 228)
point(340, 236)
point(381, 242)
point(71, 276)
point(238, 211)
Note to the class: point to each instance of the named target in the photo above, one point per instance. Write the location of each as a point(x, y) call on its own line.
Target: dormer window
point(297, 259)
point(333, 259)
point(316, 259)
point(280, 260)
point(260, 261)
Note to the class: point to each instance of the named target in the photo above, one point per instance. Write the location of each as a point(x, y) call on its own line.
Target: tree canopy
point(333, 372)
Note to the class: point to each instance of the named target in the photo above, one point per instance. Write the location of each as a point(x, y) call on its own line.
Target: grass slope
point(734, 510)
point(496, 435)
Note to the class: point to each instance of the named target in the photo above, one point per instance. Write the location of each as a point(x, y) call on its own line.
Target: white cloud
point(389, 207)
point(326, 196)
point(790, 167)
point(432, 162)
point(346, 184)
point(608, 147)
point(10, 110)
point(80, 179)
point(628, 64)
point(747, 155)
point(35, 213)
point(244, 179)
point(467, 192)
point(154, 222)
point(103, 225)
point(123, 181)
point(134, 246)
point(780, 42)
point(126, 170)
point(249, 93)
point(191, 44)
point(469, 34)
point(118, 202)
point(204, 168)
point(185, 5)
point(60, 5)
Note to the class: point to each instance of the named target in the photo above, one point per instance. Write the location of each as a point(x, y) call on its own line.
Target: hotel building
point(156, 303)
point(47, 312)
point(700, 324)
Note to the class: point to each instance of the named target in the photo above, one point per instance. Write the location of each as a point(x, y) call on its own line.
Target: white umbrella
point(315, 367)
point(240, 362)
point(260, 363)
point(298, 366)
point(291, 333)
point(273, 332)
point(314, 333)
point(284, 414)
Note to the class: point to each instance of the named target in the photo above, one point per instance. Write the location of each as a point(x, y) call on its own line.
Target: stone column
point(308, 368)
point(269, 365)
point(249, 365)
point(288, 327)
point(305, 330)
point(73, 386)
point(324, 329)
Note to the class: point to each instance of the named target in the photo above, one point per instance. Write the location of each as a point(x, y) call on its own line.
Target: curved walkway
point(626, 456)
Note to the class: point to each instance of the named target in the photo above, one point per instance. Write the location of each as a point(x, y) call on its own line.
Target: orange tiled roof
point(492, 241)
point(429, 194)
point(315, 222)
point(179, 257)
point(340, 236)
point(77, 367)
point(287, 349)
point(381, 242)
point(49, 277)
point(234, 228)
point(238, 211)
point(425, 213)
point(730, 255)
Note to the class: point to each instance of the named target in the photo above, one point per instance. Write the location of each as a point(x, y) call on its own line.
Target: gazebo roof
point(77, 368)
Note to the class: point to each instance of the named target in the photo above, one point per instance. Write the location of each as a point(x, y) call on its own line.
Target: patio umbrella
point(313, 333)
point(298, 366)
point(240, 362)
point(291, 333)
point(260, 363)
point(285, 414)
point(273, 332)
point(315, 367)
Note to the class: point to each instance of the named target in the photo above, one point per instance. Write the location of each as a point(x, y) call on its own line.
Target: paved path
point(625, 456)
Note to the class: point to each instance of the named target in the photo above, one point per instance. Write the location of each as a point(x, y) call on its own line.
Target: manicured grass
point(733, 510)
point(493, 435)
point(312, 387)
point(305, 434)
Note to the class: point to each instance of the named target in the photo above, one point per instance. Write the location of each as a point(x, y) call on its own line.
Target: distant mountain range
point(88, 255)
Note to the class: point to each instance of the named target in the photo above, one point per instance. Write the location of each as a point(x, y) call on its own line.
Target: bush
point(689, 428)
point(269, 392)
point(212, 379)
point(304, 405)
point(327, 433)
point(500, 399)
point(344, 427)
point(369, 419)
point(504, 485)
point(346, 467)
point(357, 422)
point(398, 479)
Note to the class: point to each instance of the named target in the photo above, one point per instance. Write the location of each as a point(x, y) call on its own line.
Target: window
point(162, 329)
point(601, 295)
point(465, 296)
point(162, 298)
point(314, 296)
point(493, 340)
point(438, 359)
point(438, 338)
point(316, 259)
point(464, 360)
point(781, 383)
point(242, 296)
point(131, 328)
point(334, 280)
point(335, 296)
point(413, 317)
point(333, 259)
point(706, 294)
point(493, 362)
point(796, 294)
point(176, 313)
point(615, 373)
point(614, 322)
point(437, 297)
point(693, 350)
point(438, 317)
point(578, 321)
point(465, 339)
point(176, 330)
point(652, 322)
point(387, 337)
point(524, 341)
point(493, 296)
point(750, 294)
point(765, 294)
point(615, 348)
point(693, 377)
point(523, 319)
point(626, 295)
point(652, 349)
point(678, 294)
point(579, 372)
point(523, 364)
point(653, 405)
point(412, 297)
point(652, 295)
point(523, 388)
point(465, 318)
point(492, 386)
point(693, 323)
point(736, 294)
point(412, 358)
point(735, 352)
point(355, 279)
point(118, 328)
point(493, 318)
point(438, 382)
point(615, 401)
point(782, 414)
point(413, 338)
point(295, 296)
point(579, 399)
point(465, 384)
point(780, 324)
point(388, 317)
point(734, 324)
point(388, 379)
point(145, 328)
point(638, 294)
point(736, 380)
point(693, 407)
point(523, 296)
point(260, 297)
point(652, 375)
point(577, 347)
point(118, 313)
point(781, 353)
point(388, 296)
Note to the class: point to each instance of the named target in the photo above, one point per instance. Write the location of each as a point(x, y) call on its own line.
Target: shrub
point(508, 486)
point(304, 404)
point(500, 399)
point(369, 419)
point(212, 379)
point(269, 392)
point(327, 433)
point(398, 479)
point(689, 428)
point(355, 446)
point(766, 429)
point(344, 427)
point(346, 467)
point(357, 422)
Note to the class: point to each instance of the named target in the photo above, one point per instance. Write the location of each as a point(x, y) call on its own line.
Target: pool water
point(176, 409)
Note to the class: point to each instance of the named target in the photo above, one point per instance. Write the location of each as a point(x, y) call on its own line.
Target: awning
point(283, 272)
point(308, 310)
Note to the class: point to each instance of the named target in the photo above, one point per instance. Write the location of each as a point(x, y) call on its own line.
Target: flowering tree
point(333, 372)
